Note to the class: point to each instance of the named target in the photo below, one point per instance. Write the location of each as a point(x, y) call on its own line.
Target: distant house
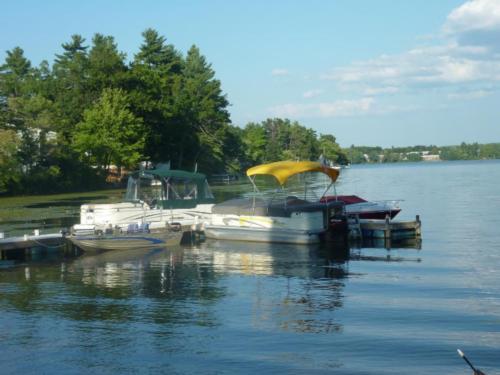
point(425, 155)
point(431, 157)
point(35, 133)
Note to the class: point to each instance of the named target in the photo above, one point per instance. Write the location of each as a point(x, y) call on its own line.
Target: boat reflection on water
point(292, 288)
point(189, 302)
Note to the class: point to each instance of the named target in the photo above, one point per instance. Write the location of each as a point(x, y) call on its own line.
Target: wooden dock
point(387, 229)
point(30, 245)
point(34, 240)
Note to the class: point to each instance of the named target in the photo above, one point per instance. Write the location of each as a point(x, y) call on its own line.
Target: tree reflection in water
point(178, 300)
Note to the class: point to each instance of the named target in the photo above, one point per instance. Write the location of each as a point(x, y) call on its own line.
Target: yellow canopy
point(282, 170)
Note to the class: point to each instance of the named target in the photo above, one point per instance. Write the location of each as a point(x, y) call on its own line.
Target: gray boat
point(137, 237)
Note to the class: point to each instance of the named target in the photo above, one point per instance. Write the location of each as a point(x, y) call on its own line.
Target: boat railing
point(389, 203)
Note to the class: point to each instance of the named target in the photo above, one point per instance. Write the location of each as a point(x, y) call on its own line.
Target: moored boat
point(278, 215)
point(159, 197)
point(136, 237)
point(357, 206)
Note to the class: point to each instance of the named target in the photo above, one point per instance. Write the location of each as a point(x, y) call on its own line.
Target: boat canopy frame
point(283, 170)
point(198, 190)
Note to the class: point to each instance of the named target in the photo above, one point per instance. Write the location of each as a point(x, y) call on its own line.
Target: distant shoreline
point(464, 151)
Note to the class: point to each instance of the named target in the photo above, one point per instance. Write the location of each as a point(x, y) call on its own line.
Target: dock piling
point(386, 228)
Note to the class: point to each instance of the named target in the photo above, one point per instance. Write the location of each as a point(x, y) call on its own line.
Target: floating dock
point(28, 241)
point(29, 246)
point(386, 229)
point(26, 245)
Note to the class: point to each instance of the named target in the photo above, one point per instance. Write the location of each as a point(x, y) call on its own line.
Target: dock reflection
point(279, 286)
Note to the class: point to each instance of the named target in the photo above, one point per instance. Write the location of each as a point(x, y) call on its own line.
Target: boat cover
point(262, 207)
point(347, 199)
point(282, 170)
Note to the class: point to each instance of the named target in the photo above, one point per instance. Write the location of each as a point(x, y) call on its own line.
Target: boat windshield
point(155, 189)
point(146, 189)
point(186, 189)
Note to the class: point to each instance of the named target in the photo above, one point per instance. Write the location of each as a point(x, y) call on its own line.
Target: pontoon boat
point(292, 213)
point(158, 197)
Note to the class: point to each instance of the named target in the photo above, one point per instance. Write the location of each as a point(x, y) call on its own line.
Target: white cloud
point(432, 65)
point(312, 93)
point(280, 72)
point(474, 15)
point(370, 91)
point(475, 23)
point(339, 108)
point(468, 95)
point(458, 64)
point(463, 56)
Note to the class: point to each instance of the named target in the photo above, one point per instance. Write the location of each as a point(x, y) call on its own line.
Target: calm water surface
point(228, 307)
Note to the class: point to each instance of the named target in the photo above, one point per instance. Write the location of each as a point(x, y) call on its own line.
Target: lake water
point(241, 308)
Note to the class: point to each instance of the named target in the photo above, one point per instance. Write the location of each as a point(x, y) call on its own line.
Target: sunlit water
point(229, 307)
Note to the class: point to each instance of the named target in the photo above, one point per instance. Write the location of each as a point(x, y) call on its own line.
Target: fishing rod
point(476, 371)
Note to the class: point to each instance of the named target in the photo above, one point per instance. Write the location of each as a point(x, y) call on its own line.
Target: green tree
point(156, 54)
point(14, 73)
point(234, 156)
point(9, 165)
point(302, 143)
point(254, 142)
point(204, 111)
point(110, 133)
point(24, 110)
point(331, 150)
point(277, 134)
point(34, 120)
point(71, 93)
point(106, 65)
point(153, 77)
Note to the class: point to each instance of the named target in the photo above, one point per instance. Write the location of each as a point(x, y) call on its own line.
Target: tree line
point(64, 124)
point(464, 151)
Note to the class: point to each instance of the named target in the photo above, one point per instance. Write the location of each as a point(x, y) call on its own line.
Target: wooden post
point(387, 230)
point(418, 226)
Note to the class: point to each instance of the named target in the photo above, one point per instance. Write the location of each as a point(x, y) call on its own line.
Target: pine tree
point(14, 73)
point(153, 78)
point(205, 109)
point(106, 65)
point(71, 93)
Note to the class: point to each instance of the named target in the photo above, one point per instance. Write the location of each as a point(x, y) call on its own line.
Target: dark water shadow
point(52, 225)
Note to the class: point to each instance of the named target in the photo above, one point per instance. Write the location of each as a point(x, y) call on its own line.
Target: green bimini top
point(178, 189)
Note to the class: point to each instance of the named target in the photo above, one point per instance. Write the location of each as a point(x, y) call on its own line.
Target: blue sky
point(387, 73)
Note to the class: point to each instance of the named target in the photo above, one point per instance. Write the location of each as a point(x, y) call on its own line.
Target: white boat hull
point(298, 228)
point(136, 241)
point(122, 214)
point(262, 234)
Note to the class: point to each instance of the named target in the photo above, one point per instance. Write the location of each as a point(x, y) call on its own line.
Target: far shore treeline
point(64, 125)
point(464, 151)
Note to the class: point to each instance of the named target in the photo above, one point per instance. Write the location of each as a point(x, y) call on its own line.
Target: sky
point(374, 72)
